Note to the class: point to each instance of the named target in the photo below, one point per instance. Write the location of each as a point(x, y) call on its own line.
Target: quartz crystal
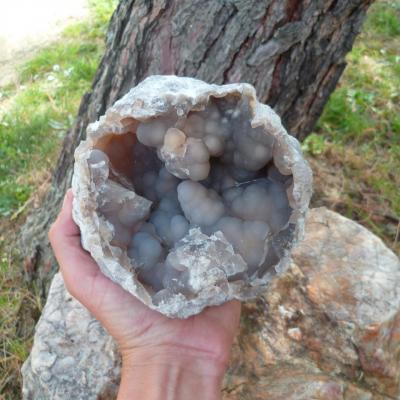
point(189, 194)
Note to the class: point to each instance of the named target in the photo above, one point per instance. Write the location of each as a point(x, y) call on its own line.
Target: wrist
point(170, 374)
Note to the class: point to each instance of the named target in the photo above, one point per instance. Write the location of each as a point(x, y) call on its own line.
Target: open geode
point(189, 194)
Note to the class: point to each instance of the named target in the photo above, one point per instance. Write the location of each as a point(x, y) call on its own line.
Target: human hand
point(163, 358)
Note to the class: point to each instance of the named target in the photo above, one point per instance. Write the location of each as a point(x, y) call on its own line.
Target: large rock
point(73, 357)
point(329, 328)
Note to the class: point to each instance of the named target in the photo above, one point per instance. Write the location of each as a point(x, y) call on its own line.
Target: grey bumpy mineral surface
point(189, 194)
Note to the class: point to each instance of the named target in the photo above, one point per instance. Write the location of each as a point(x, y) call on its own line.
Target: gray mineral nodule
point(189, 194)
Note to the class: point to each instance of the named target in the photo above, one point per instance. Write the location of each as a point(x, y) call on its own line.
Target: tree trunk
point(292, 51)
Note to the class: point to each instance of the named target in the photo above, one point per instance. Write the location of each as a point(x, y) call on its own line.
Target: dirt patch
point(26, 26)
point(337, 187)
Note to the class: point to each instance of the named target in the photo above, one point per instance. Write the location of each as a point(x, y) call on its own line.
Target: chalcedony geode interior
point(189, 194)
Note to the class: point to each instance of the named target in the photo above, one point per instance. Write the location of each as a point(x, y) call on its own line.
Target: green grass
point(384, 20)
point(359, 130)
point(14, 342)
point(35, 114)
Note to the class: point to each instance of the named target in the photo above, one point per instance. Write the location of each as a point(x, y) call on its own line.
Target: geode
point(189, 194)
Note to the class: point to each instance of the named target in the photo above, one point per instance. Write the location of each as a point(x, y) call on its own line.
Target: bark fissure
point(320, 53)
point(103, 78)
point(217, 37)
point(245, 44)
point(294, 10)
point(148, 31)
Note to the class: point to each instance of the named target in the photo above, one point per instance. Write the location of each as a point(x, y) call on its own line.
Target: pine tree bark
point(292, 51)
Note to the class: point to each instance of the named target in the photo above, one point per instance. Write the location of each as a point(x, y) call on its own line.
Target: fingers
point(64, 220)
point(115, 308)
point(77, 266)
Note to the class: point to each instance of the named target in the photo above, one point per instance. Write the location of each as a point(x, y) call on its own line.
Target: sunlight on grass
point(35, 114)
point(384, 19)
point(361, 124)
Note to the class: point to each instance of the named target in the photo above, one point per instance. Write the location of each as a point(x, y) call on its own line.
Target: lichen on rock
point(181, 170)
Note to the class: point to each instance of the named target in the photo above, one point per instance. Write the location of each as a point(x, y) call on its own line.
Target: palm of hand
point(134, 326)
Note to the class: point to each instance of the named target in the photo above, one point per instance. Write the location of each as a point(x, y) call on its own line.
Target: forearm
point(178, 378)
